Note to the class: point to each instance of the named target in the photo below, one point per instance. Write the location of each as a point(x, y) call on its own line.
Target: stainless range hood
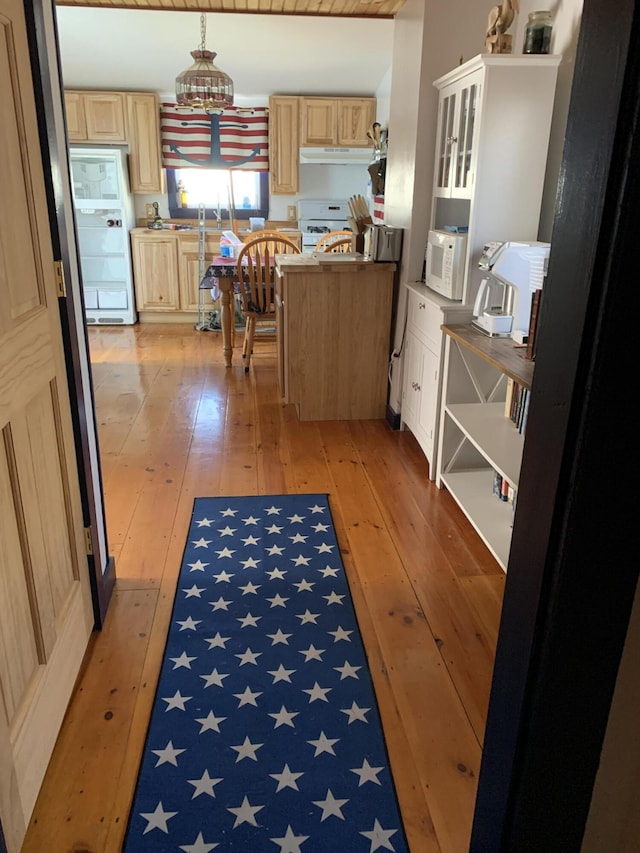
point(333, 156)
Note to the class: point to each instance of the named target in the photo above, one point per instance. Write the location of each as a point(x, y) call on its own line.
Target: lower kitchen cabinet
point(422, 357)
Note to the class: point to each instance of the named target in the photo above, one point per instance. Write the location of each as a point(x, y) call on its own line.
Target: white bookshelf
point(477, 439)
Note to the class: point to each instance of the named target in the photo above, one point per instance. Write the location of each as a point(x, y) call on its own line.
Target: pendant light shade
point(203, 84)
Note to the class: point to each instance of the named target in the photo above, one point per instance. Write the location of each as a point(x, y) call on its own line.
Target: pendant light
point(203, 85)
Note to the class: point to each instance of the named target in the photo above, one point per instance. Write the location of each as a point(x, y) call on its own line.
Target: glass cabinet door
point(462, 183)
point(95, 177)
point(445, 141)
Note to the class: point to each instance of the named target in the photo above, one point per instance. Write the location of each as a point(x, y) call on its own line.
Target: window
point(211, 187)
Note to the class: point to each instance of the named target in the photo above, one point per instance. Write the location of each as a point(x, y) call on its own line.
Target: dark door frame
point(48, 88)
point(572, 571)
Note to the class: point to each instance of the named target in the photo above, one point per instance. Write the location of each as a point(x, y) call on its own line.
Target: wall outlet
point(150, 211)
point(292, 213)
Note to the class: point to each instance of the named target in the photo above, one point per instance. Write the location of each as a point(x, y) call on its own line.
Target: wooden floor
point(175, 424)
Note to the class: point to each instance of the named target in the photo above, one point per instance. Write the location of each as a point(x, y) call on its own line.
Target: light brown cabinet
point(284, 122)
point(95, 116)
point(128, 117)
point(336, 121)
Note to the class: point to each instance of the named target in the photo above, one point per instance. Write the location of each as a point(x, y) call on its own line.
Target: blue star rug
point(265, 733)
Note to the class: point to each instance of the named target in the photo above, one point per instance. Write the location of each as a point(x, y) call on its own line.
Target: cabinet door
point(155, 269)
point(143, 135)
point(76, 120)
point(427, 409)
point(458, 109)
point(355, 117)
point(284, 117)
point(189, 270)
point(319, 121)
point(412, 381)
point(104, 113)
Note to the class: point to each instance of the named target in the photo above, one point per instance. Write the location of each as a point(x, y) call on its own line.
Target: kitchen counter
point(333, 328)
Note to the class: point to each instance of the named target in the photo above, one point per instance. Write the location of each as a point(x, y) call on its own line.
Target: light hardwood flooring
point(175, 424)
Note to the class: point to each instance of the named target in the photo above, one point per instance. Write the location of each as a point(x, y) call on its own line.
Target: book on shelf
point(536, 299)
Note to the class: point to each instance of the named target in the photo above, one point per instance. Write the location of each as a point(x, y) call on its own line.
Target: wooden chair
point(335, 241)
point(256, 273)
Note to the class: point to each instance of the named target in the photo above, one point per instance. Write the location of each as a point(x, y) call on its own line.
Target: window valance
point(236, 138)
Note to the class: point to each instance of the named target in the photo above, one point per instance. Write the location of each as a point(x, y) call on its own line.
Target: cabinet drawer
point(424, 320)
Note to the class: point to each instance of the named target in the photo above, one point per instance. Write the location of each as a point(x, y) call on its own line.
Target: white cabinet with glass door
point(457, 109)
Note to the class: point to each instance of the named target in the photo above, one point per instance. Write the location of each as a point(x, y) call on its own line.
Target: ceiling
point(141, 49)
point(316, 8)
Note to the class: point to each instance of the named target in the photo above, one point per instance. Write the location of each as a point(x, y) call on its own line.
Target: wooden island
point(333, 330)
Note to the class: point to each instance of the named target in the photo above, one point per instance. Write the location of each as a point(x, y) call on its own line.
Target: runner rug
point(265, 733)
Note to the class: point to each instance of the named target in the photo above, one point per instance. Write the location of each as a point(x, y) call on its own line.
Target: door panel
point(46, 613)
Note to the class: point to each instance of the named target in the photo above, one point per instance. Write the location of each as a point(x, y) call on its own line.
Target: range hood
point(335, 156)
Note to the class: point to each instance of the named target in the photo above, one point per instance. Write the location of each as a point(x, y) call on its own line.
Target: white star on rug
point(298, 538)
point(356, 713)
point(300, 560)
point(323, 744)
point(183, 661)
point(286, 779)
point(220, 604)
point(289, 842)
point(367, 773)
point(202, 543)
point(379, 837)
point(247, 749)
point(249, 621)
point(317, 692)
point(167, 755)
point(204, 785)
point(279, 637)
point(340, 634)
point(273, 528)
point(250, 520)
point(273, 510)
point(198, 566)
point(347, 671)
point(312, 653)
point(281, 674)
point(157, 819)
point(278, 601)
point(189, 624)
point(307, 617)
point(229, 511)
point(320, 528)
point(250, 540)
point(305, 586)
point(328, 572)
point(193, 592)
point(275, 551)
point(250, 588)
point(284, 717)
point(333, 598)
point(204, 522)
point(199, 846)
point(225, 552)
point(227, 531)
point(276, 574)
point(250, 563)
point(210, 722)
point(176, 701)
point(217, 641)
point(223, 577)
point(247, 697)
point(315, 509)
point(214, 678)
point(248, 657)
point(246, 813)
point(323, 548)
point(330, 806)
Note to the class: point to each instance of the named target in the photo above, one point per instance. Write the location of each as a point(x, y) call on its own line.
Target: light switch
point(291, 212)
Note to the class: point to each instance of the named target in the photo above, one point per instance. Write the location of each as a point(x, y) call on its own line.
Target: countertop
point(328, 262)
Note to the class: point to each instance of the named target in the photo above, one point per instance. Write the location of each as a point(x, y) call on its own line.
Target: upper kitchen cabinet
point(95, 116)
point(456, 136)
point(128, 117)
point(143, 135)
point(336, 121)
point(284, 143)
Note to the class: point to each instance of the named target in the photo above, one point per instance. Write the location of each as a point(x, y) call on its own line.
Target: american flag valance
point(236, 138)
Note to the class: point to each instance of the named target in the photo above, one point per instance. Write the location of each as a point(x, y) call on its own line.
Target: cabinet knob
point(451, 140)
point(422, 306)
point(415, 386)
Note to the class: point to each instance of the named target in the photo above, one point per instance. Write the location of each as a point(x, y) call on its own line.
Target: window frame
point(177, 212)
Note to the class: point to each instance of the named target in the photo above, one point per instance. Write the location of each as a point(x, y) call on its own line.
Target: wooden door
point(104, 112)
point(355, 117)
point(46, 613)
point(155, 270)
point(146, 174)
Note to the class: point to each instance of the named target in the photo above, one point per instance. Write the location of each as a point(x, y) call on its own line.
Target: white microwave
point(445, 263)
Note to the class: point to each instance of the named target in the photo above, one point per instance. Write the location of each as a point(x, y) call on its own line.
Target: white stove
point(320, 216)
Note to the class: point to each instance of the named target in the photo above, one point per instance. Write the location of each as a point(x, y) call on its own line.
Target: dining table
point(221, 278)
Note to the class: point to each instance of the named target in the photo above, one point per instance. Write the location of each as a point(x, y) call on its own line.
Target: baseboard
point(392, 418)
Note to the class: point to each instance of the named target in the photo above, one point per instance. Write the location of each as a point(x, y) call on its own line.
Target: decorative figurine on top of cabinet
point(500, 19)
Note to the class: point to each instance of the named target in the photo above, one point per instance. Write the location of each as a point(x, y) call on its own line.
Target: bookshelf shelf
point(477, 437)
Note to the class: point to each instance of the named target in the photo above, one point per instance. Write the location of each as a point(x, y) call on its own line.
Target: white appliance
point(104, 217)
point(320, 216)
point(503, 304)
point(333, 156)
point(445, 259)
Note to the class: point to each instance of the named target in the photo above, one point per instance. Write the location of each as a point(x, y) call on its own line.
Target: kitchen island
point(333, 329)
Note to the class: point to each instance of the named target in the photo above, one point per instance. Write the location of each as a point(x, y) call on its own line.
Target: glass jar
point(537, 35)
